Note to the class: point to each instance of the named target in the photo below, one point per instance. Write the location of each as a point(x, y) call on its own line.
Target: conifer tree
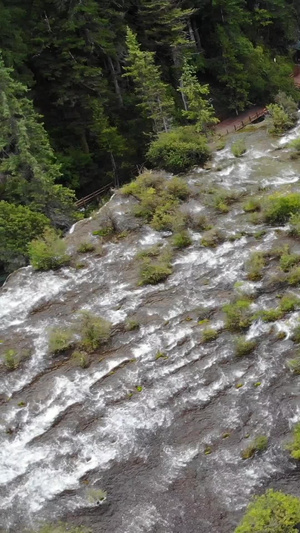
point(28, 170)
point(151, 90)
point(199, 108)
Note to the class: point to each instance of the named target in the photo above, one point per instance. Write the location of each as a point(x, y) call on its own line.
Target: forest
point(90, 90)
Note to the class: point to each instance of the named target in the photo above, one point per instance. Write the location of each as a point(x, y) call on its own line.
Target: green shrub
point(280, 119)
point(255, 266)
point(271, 315)
point(131, 324)
point(60, 340)
point(259, 444)
point(103, 232)
point(199, 222)
point(295, 224)
point(295, 145)
point(220, 145)
point(238, 315)
point(239, 148)
point(177, 188)
point(289, 303)
point(48, 252)
point(294, 365)
point(293, 277)
point(252, 205)
point(178, 150)
point(279, 208)
point(288, 260)
point(18, 226)
point(181, 239)
point(296, 333)
point(85, 247)
point(212, 238)
point(153, 251)
point(294, 445)
point(166, 217)
point(11, 359)
point(273, 512)
point(94, 331)
point(209, 334)
point(97, 495)
point(244, 347)
point(152, 273)
point(81, 358)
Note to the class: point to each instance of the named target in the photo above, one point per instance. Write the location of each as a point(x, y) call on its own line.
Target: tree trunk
point(115, 80)
point(115, 170)
point(196, 35)
point(177, 65)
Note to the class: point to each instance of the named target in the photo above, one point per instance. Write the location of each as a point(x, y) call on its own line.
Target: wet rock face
point(159, 418)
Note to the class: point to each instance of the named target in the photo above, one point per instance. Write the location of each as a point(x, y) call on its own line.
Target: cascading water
point(161, 436)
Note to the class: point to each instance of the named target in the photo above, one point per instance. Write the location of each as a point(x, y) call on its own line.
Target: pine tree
point(152, 91)
point(28, 170)
point(199, 109)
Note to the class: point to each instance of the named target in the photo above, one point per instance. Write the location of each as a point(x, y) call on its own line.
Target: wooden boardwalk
point(96, 195)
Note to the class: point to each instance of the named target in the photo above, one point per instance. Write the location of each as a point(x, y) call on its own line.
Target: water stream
point(85, 429)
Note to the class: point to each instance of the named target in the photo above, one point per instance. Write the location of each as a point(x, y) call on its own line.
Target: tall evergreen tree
point(199, 108)
point(151, 90)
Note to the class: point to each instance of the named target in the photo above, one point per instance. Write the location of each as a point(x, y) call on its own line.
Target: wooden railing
point(244, 122)
point(94, 195)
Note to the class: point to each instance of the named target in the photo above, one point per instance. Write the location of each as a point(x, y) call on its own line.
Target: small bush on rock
point(181, 239)
point(255, 266)
point(259, 444)
point(94, 331)
point(279, 208)
point(212, 238)
point(244, 347)
point(209, 334)
point(294, 446)
point(85, 247)
point(238, 315)
point(238, 148)
point(60, 340)
point(48, 252)
point(178, 150)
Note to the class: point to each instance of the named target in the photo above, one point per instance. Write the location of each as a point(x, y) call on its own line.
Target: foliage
point(253, 204)
point(294, 446)
point(181, 239)
point(178, 150)
point(288, 303)
point(27, 162)
point(48, 252)
point(81, 358)
point(255, 266)
point(60, 340)
point(271, 315)
point(131, 324)
point(294, 365)
point(279, 208)
point(244, 346)
point(159, 200)
point(288, 260)
point(238, 148)
point(238, 315)
point(18, 226)
point(209, 334)
point(259, 444)
point(85, 247)
point(198, 108)
point(296, 333)
point(152, 273)
point(94, 331)
point(11, 359)
point(212, 238)
point(151, 90)
point(280, 119)
point(273, 512)
point(295, 224)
